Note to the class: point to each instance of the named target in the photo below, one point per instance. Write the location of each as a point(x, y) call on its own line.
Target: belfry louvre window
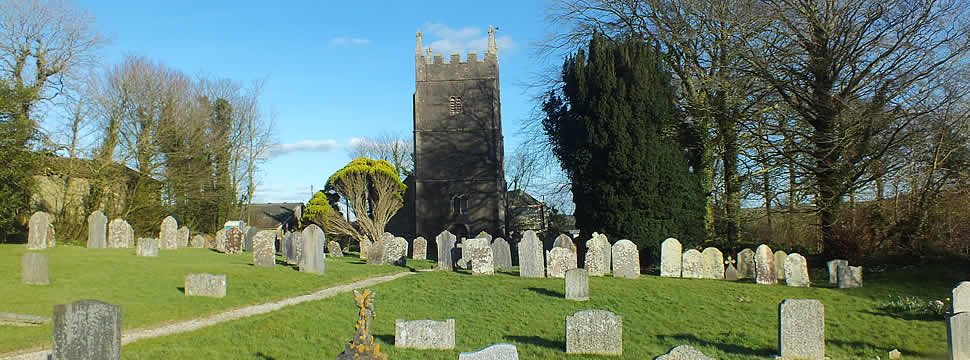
point(459, 204)
point(454, 105)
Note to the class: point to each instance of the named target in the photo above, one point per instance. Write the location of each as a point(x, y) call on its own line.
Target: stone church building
point(459, 181)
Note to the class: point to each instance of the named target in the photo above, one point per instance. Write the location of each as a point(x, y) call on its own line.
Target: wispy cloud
point(280, 194)
point(345, 41)
point(446, 40)
point(304, 146)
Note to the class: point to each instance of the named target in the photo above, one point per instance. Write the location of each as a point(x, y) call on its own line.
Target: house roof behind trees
point(271, 216)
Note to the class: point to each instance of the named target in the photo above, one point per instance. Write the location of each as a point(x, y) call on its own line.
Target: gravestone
point(35, 269)
point(481, 259)
point(363, 246)
point(264, 249)
point(746, 264)
point(958, 335)
point(97, 230)
point(131, 235)
point(333, 248)
point(118, 231)
point(764, 265)
point(198, 241)
point(221, 240)
point(833, 267)
point(577, 284)
point(712, 264)
point(502, 255)
point(691, 264)
point(894, 354)
point(466, 245)
point(248, 237)
point(671, 254)
point(850, 276)
point(205, 284)
point(595, 263)
point(961, 297)
point(730, 273)
point(607, 252)
point(503, 351)
point(183, 237)
point(445, 243)
point(375, 251)
point(40, 234)
point(395, 251)
point(626, 260)
point(424, 334)
point(594, 332)
point(234, 239)
point(780, 257)
point(419, 248)
point(361, 346)
point(87, 329)
point(801, 329)
point(168, 234)
point(484, 235)
point(287, 250)
point(796, 271)
point(531, 262)
point(313, 260)
point(147, 247)
point(684, 352)
point(296, 241)
point(564, 241)
point(559, 260)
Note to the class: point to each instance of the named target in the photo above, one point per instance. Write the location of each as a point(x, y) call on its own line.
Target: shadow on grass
point(260, 355)
point(181, 289)
point(884, 311)
point(387, 339)
point(863, 345)
point(728, 348)
point(537, 341)
point(546, 292)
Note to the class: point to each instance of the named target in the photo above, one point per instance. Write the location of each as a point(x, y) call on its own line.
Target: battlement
point(430, 66)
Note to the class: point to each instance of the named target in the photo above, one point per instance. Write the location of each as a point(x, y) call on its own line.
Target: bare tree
point(389, 147)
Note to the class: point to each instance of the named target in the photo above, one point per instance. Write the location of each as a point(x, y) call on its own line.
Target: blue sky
point(334, 71)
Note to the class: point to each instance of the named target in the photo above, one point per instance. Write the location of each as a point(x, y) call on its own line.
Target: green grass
point(149, 288)
point(658, 313)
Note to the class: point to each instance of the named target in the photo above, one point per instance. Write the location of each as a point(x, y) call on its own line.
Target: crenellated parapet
point(431, 66)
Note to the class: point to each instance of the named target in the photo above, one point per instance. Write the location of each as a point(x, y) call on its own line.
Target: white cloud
point(342, 41)
point(445, 40)
point(304, 146)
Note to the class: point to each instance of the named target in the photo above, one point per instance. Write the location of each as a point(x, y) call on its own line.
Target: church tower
point(459, 179)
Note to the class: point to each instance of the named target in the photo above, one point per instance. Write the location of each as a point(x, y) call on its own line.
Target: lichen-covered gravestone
point(362, 346)
point(796, 271)
point(147, 247)
point(531, 262)
point(395, 251)
point(296, 248)
point(780, 257)
point(424, 334)
point(626, 260)
point(607, 251)
point(87, 329)
point(205, 284)
point(595, 263)
point(466, 244)
point(198, 241)
point(234, 239)
point(833, 267)
point(419, 248)
point(481, 259)
point(35, 269)
point(801, 329)
point(264, 249)
point(97, 230)
point(564, 241)
point(501, 351)
point(684, 352)
point(594, 332)
point(577, 284)
point(40, 234)
point(850, 276)
point(502, 255)
point(249, 235)
point(168, 234)
point(559, 260)
point(445, 243)
point(670, 258)
point(118, 234)
point(691, 264)
point(712, 264)
point(183, 237)
point(764, 265)
point(313, 257)
point(746, 264)
point(333, 248)
point(961, 297)
point(221, 240)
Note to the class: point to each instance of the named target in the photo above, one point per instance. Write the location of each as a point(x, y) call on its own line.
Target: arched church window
point(454, 105)
point(459, 204)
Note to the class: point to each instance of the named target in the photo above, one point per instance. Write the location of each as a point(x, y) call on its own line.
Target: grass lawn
point(149, 289)
point(658, 313)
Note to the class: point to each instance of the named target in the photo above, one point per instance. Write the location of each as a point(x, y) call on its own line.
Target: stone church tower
point(459, 179)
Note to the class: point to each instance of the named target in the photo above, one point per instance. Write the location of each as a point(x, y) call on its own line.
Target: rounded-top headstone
point(97, 230)
point(168, 234)
point(712, 261)
point(502, 255)
point(40, 231)
point(626, 260)
point(796, 270)
point(531, 261)
point(692, 264)
point(961, 297)
point(780, 257)
point(564, 241)
point(764, 264)
point(670, 258)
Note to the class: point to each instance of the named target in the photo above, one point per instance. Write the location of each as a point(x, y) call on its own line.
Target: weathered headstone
point(764, 265)
point(198, 241)
point(850, 276)
point(147, 247)
point(296, 242)
point(796, 270)
point(501, 255)
point(419, 248)
point(445, 243)
point(333, 248)
point(466, 244)
point(484, 235)
point(731, 272)
point(313, 257)
point(558, 261)
point(364, 247)
point(87, 329)
point(607, 252)
point(481, 259)
point(39, 234)
point(894, 354)
point(712, 264)
point(249, 236)
point(531, 262)
point(182, 241)
point(168, 234)
point(595, 263)
point(961, 297)
point(958, 335)
point(684, 352)
point(746, 264)
point(501, 351)
point(801, 329)
point(577, 284)
point(205, 284)
point(626, 260)
point(594, 332)
point(424, 334)
point(35, 269)
point(131, 235)
point(221, 240)
point(564, 241)
point(118, 234)
point(375, 251)
point(691, 264)
point(671, 254)
point(395, 251)
point(780, 257)
point(264, 249)
point(234, 239)
point(362, 346)
point(833, 267)
point(97, 230)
